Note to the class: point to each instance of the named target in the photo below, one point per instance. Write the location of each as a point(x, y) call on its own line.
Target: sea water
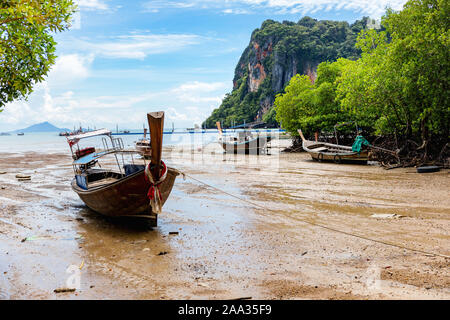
point(51, 142)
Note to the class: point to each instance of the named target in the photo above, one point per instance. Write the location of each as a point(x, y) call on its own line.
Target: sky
point(122, 59)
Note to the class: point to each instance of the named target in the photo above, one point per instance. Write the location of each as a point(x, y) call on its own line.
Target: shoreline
point(225, 248)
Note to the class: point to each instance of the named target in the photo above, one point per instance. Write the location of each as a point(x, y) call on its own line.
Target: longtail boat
point(323, 151)
point(244, 142)
point(134, 190)
point(143, 146)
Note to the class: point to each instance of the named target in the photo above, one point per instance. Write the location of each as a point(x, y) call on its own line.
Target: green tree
point(402, 78)
point(313, 107)
point(288, 47)
point(295, 104)
point(27, 47)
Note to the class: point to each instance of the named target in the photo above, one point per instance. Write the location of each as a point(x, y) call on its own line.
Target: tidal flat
point(252, 230)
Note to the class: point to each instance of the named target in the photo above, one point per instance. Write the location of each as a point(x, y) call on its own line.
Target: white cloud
point(187, 103)
point(236, 11)
point(70, 68)
point(196, 86)
point(368, 7)
point(201, 92)
point(137, 46)
point(92, 5)
point(155, 6)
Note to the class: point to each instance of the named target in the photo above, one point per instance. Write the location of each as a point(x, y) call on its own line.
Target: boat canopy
point(89, 134)
point(90, 157)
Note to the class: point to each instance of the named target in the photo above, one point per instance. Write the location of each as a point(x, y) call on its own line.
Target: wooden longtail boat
point(121, 192)
point(244, 143)
point(143, 146)
point(117, 194)
point(322, 151)
point(251, 146)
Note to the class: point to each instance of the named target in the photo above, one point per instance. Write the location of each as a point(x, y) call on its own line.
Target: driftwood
point(295, 147)
point(411, 153)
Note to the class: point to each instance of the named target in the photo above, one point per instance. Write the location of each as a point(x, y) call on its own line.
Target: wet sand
point(226, 248)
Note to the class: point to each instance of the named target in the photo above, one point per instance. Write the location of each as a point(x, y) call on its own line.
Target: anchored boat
point(143, 146)
point(322, 151)
point(245, 142)
point(131, 189)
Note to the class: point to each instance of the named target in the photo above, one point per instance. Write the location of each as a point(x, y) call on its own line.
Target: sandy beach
point(211, 245)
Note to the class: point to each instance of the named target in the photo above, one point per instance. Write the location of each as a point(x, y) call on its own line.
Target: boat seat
point(81, 181)
point(132, 168)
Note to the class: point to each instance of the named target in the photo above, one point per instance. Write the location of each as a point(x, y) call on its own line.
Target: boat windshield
point(87, 148)
point(89, 158)
point(97, 141)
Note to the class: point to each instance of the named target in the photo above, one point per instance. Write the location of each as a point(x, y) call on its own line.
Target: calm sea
point(51, 142)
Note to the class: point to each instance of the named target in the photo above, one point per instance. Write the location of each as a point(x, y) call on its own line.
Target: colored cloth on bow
point(360, 141)
point(154, 193)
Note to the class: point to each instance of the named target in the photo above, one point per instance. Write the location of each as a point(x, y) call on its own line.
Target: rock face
point(278, 51)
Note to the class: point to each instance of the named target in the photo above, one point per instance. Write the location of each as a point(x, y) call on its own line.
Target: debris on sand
point(202, 284)
point(23, 177)
point(387, 216)
point(3, 172)
point(62, 290)
point(162, 253)
point(173, 233)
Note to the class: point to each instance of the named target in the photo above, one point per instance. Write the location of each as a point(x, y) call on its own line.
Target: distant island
point(41, 127)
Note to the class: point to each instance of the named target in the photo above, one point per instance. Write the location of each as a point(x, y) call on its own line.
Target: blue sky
point(122, 59)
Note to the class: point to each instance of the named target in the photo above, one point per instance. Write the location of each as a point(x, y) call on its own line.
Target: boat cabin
point(117, 163)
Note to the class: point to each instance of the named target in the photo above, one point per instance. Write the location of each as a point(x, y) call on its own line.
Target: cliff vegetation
point(277, 52)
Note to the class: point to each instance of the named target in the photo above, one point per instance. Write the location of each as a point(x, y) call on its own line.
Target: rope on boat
point(317, 224)
point(154, 194)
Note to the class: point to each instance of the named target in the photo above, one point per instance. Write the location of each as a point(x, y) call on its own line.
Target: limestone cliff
point(278, 51)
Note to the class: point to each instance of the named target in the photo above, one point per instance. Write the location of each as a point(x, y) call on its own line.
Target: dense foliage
point(399, 87)
point(27, 48)
point(293, 46)
point(313, 107)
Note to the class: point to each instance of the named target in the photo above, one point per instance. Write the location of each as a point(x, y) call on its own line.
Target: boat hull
point(126, 196)
point(323, 151)
point(254, 146)
point(146, 152)
point(144, 148)
point(360, 158)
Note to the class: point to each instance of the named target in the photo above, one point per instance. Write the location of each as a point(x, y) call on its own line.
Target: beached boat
point(143, 146)
point(322, 151)
point(244, 143)
point(133, 190)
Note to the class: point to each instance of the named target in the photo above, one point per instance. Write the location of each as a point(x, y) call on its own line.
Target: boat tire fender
point(428, 169)
point(320, 157)
point(337, 158)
